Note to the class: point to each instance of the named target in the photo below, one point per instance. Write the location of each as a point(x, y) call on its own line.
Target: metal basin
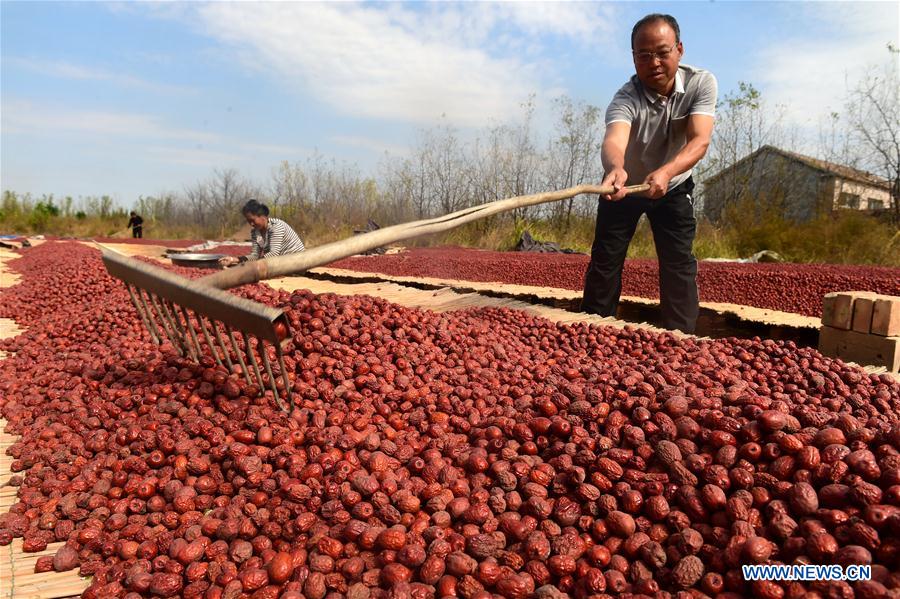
point(196, 260)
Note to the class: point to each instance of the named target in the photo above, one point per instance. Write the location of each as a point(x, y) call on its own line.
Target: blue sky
point(142, 98)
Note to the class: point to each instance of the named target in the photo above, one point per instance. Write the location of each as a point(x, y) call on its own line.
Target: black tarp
point(527, 243)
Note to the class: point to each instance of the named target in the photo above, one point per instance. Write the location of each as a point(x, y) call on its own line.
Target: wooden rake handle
point(278, 266)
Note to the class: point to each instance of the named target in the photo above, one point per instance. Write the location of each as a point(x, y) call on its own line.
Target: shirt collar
point(654, 97)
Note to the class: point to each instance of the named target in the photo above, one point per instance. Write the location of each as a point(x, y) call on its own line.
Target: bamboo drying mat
point(8, 277)
point(393, 290)
point(749, 313)
point(17, 577)
point(459, 295)
point(445, 299)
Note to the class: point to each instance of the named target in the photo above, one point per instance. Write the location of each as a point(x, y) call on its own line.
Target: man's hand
point(617, 179)
point(228, 260)
point(658, 181)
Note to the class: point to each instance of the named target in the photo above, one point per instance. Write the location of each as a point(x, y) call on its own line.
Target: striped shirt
point(277, 240)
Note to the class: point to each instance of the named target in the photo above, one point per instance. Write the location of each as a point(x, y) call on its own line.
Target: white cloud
point(183, 145)
point(589, 22)
point(22, 116)
point(410, 63)
point(67, 70)
point(810, 75)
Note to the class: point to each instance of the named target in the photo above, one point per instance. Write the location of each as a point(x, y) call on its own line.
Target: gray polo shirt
point(659, 123)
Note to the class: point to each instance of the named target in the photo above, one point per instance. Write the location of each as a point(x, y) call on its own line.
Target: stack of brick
point(861, 327)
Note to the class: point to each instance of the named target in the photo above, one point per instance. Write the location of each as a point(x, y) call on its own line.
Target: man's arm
point(699, 133)
point(612, 155)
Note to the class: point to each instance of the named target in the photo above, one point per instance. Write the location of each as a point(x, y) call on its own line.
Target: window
point(849, 200)
point(876, 204)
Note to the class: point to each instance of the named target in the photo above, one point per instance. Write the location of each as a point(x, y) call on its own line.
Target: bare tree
point(744, 124)
point(834, 142)
point(447, 170)
point(873, 115)
point(158, 208)
point(398, 184)
point(215, 204)
point(574, 154)
point(289, 189)
point(227, 192)
point(197, 198)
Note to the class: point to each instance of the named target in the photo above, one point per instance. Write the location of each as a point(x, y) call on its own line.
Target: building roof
point(839, 170)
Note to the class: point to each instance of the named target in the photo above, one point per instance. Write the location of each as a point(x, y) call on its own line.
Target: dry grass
point(840, 238)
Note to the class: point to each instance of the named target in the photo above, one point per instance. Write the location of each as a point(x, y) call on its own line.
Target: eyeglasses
point(649, 56)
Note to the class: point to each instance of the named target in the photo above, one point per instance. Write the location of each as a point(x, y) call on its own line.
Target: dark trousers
point(137, 232)
point(672, 222)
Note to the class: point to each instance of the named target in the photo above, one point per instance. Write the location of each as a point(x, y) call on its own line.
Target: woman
point(270, 236)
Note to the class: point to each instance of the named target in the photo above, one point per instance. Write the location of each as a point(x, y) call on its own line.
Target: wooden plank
point(851, 346)
point(886, 316)
point(862, 314)
point(17, 577)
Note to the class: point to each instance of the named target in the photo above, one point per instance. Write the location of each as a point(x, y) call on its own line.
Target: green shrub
point(843, 237)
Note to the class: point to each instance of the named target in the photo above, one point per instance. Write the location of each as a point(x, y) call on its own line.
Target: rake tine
point(237, 352)
point(166, 319)
point(190, 328)
point(168, 326)
point(155, 329)
point(249, 350)
point(284, 374)
point(225, 351)
point(141, 313)
point(264, 352)
point(206, 336)
point(173, 314)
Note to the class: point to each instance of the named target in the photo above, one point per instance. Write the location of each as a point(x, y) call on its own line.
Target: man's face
point(657, 72)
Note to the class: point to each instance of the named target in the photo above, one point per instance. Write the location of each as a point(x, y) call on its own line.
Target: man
point(136, 224)
point(658, 126)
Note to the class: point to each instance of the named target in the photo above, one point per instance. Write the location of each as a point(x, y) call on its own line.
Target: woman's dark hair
point(652, 18)
point(255, 208)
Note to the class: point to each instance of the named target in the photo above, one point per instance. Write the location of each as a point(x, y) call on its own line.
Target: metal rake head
point(200, 320)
